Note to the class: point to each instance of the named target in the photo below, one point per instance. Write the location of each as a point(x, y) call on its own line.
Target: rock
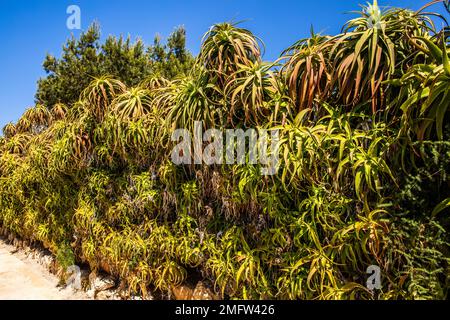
point(105, 295)
point(202, 292)
point(90, 293)
point(115, 296)
point(103, 283)
point(36, 255)
point(149, 296)
point(182, 292)
point(54, 267)
point(46, 261)
point(100, 286)
point(199, 292)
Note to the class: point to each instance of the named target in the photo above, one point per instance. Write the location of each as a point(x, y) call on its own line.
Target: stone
point(90, 293)
point(202, 292)
point(105, 295)
point(182, 292)
point(103, 283)
point(199, 292)
point(46, 261)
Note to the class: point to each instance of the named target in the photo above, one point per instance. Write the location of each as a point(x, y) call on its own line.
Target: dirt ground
point(23, 278)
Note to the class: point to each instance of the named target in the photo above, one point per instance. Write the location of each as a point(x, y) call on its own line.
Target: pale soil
point(23, 278)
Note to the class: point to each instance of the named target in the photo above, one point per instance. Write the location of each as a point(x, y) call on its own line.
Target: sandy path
point(23, 278)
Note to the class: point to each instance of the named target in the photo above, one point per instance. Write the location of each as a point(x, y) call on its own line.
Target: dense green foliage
point(85, 59)
point(364, 175)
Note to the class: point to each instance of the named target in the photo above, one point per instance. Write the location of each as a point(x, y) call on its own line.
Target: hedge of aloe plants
point(363, 179)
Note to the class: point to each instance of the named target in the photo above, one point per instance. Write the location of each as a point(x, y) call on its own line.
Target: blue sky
point(29, 29)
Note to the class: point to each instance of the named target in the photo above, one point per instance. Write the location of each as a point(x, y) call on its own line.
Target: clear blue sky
point(31, 28)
